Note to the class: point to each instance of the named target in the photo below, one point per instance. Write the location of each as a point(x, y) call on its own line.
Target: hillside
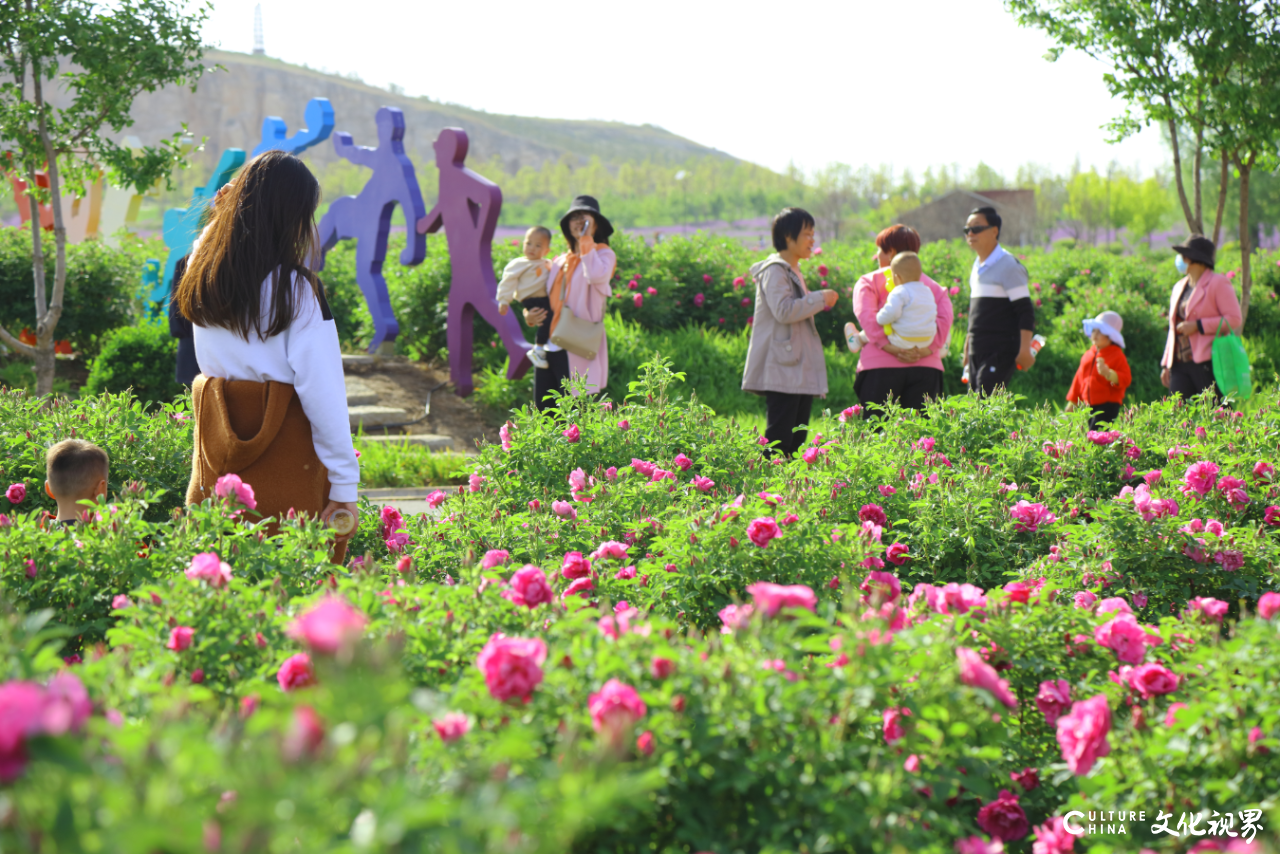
point(228, 108)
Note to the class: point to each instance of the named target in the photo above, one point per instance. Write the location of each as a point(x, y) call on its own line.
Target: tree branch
point(25, 349)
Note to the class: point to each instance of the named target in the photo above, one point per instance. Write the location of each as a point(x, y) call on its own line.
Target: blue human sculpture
point(182, 225)
point(319, 119)
point(367, 217)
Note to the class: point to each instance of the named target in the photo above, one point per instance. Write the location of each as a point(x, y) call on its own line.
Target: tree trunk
point(1177, 173)
point(1198, 226)
point(1246, 281)
point(47, 319)
point(1222, 198)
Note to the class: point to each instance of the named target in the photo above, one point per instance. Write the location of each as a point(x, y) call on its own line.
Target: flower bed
point(629, 631)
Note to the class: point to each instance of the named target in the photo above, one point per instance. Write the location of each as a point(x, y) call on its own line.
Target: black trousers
point(550, 378)
point(1103, 413)
point(910, 387)
point(543, 332)
point(991, 364)
point(783, 413)
point(1190, 378)
point(187, 367)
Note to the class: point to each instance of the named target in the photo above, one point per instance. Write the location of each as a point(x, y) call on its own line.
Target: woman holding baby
point(887, 368)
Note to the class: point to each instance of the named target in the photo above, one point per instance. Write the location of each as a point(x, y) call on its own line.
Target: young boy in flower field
point(910, 314)
point(76, 471)
point(1103, 375)
point(524, 279)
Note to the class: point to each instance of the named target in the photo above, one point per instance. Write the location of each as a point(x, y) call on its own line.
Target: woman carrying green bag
point(1202, 303)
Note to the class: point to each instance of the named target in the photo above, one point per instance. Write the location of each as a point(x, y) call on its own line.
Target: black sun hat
point(587, 205)
point(1199, 249)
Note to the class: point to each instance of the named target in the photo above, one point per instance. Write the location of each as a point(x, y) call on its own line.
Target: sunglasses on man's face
point(976, 229)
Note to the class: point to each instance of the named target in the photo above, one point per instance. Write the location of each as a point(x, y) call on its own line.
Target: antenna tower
point(258, 49)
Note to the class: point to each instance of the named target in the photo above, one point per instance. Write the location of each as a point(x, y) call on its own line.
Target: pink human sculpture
point(367, 217)
point(468, 211)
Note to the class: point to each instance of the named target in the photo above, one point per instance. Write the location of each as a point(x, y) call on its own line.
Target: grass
point(391, 464)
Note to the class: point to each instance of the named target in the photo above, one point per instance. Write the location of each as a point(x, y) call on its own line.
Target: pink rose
point(296, 672)
point(698, 300)
point(1027, 778)
point(1214, 609)
point(1116, 604)
point(1272, 515)
point(703, 484)
point(1053, 699)
point(637, 300)
point(891, 724)
point(1003, 818)
point(1126, 637)
point(571, 433)
point(651, 291)
point(231, 486)
point(771, 598)
point(978, 845)
point(579, 587)
point(329, 626)
point(475, 482)
point(392, 521)
point(1082, 734)
point(610, 549)
point(739, 281)
point(1052, 838)
point(436, 498)
point(305, 735)
point(396, 542)
point(661, 668)
point(962, 598)
point(120, 602)
point(529, 587)
point(512, 667)
point(1171, 716)
point(494, 557)
point(1019, 591)
point(644, 744)
point(1268, 605)
point(1085, 599)
point(564, 510)
point(180, 638)
point(615, 709)
point(912, 765)
point(978, 674)
point(706, 278)
point(1030, 517)
point(452, 726)
point(207, 567)
point(897, 554)
point(1151, 680)
point(1264, 472)
point(873, 513)
point(734, 617)
point(1102, 438)
point(624, 424)
point(66, 705)
point(16, 493)
point(879, 588)
point(762, 530)
point(886, 490)
point(682, 462)
point(575, 566)
point(1153, 477)
point(1200, 478)
point(504, 436)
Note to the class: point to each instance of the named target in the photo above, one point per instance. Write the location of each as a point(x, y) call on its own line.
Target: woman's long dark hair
point(263, 226)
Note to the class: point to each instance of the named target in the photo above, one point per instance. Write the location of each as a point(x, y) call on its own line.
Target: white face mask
point(1181, 264)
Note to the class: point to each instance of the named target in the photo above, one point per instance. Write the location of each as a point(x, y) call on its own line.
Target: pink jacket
point(589, 290)
point(1212, 301)
point(869, 296)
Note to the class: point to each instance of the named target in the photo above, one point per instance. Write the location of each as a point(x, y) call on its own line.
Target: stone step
point(431, 441)
point(354, 359)
point(373, 416)
point(359, 393)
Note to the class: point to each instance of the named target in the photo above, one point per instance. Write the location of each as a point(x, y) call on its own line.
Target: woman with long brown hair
point(270, 404)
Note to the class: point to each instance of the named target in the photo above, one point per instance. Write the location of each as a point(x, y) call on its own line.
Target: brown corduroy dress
point(259, 432)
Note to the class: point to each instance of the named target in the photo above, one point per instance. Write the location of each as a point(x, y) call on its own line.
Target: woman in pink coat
point(579, 280)
point(884, 371)
point(1202, 302)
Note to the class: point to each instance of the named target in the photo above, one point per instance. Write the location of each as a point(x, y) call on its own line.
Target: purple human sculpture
point(367, 217)
point(468, 210)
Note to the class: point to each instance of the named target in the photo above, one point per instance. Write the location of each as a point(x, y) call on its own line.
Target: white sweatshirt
point(307, 356)
point(913, 313)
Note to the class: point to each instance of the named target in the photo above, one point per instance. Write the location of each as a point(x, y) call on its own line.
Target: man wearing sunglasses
point(1002, 319)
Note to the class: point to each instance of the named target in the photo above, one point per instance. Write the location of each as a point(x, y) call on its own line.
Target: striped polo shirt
point(999, 298)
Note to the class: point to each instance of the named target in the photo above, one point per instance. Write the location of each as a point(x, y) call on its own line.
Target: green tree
point(102, 57)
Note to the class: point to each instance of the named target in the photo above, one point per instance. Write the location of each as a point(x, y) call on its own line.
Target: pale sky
point(911, 83)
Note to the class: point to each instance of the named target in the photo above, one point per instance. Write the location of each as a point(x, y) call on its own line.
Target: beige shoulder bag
point(572, 333)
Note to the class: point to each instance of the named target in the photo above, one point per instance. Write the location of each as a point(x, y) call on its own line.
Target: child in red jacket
point(1103, 375)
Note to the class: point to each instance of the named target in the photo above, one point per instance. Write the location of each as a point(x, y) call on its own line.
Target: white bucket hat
point(1109, 324)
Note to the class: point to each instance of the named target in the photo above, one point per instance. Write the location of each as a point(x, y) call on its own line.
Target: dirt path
point(403, 383)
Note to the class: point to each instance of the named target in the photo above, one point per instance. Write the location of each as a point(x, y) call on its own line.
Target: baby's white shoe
point(852, 338)
point(539, 357)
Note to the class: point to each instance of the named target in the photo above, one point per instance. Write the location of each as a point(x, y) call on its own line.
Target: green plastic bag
point(1231, 365)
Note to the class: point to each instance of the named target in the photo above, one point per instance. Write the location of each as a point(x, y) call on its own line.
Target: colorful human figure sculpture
point(24, 203)
point(80, 214)
point(182, 225)
point(319, 119)
point(150, 282)
point(121, 205)
point(468, 210)
point(367, 217)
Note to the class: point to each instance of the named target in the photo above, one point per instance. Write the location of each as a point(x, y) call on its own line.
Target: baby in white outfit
point(910, 315)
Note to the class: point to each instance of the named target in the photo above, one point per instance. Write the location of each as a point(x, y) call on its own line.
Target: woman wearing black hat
point(1201, 303)
point(578, 282)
